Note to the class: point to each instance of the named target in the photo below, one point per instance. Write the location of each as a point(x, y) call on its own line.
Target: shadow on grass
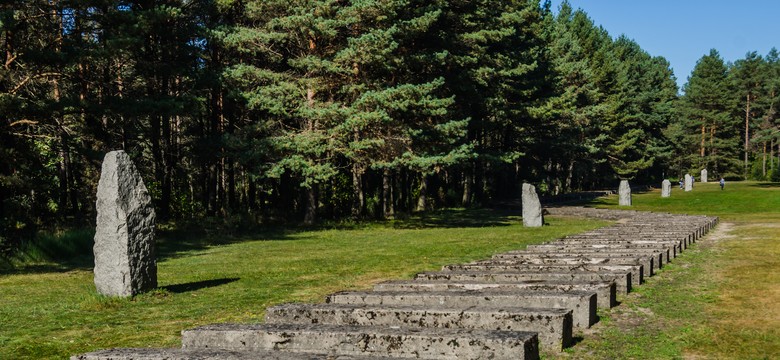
point(180, 240)
point(575, 340)
point(458, 218)
point(766, 185)
point(197, 285)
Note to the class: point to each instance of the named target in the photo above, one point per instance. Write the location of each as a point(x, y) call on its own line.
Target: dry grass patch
point(747, 313)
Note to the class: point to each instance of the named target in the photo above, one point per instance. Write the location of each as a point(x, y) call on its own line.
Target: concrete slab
point(554, 326)
point(679, 243)
point(622, 280)
point(661, 255)
point(582, 304)
point(606, 291)
point(208, 354)
point(635, 271)
point(557, 247)
point(544, 259)
point(648, 262)
point(366, 341)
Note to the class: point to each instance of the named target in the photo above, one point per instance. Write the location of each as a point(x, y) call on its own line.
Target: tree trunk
point(358, 196)
point(703, 137)
point(388, 210)
point(468, 183)
point(251, 194)
point(232, 199)
point(569, 176)
point(63, 170)
point(713, 151)
point(764, 161)
point(747, 131)
point(422, 200)
point(311, 206)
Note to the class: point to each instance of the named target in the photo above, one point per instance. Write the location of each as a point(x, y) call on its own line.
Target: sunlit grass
point(745, 201)
point(54, 312)
point(719, 300)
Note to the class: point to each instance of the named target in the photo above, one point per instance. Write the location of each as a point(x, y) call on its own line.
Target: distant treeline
point(302, 110)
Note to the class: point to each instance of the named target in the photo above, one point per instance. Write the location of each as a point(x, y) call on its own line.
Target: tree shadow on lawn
point(197, 285)
point(175, 241)
point(766, 185)
point(458, 218)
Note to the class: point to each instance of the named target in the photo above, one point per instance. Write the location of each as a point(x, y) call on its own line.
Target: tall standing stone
point(688, 182)
point(666, 188)
point(704, 175)
point(125, 263)
point(532, 208)
point(624, 191)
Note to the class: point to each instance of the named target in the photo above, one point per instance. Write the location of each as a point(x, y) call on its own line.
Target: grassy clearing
point(50, 310)
point(740, 202)
point(719, 300)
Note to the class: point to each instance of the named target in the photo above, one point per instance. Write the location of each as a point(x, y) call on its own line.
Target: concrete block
point(622, 280)
point(606, 291)
point(634, 271)
point(366, 341)
point(648, 265)
point(208, 354)
point(554, 326)
point(557, 247)
point(582, 304)
point(662, 255)
point(679, 242)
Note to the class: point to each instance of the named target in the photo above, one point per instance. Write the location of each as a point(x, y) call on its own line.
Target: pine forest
point(304, 111)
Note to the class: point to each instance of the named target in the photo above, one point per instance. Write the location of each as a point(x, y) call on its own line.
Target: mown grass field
point(719, 300)
point(51, 310)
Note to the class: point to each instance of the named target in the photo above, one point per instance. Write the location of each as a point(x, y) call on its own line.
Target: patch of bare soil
point(720, 233)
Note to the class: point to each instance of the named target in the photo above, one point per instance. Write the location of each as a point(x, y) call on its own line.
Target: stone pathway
point(506, 307)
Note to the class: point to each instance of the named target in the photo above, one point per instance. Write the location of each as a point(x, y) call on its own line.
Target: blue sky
point(683, 31)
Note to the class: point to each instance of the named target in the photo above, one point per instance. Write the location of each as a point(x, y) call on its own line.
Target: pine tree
point(747, 80)
point(706, 107)
point(576, 106)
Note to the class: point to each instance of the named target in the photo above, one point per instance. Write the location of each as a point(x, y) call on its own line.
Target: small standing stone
point(532, 208)
point(704, 175)
point(624, 192)
point(666, 188)
point(688, 182)
point(125, 263)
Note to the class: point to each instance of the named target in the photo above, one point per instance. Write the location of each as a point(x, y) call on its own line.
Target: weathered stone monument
point(704, 175)
point(688, 182)
point(666, 188)
point(532, 208)
point(624, 191)
point(125, 263)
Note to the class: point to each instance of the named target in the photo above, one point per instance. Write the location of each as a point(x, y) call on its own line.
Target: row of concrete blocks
point(502, 308)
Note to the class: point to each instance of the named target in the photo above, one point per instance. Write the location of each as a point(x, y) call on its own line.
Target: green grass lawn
point(719, 300)
point(52, 310)
point(739, 202)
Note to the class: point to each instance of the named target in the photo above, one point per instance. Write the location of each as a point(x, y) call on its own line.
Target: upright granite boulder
point(624, 191)
point(666, 188)
point(532, 208)
point(688, 182)
point(704, 175)
point(125, 263)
